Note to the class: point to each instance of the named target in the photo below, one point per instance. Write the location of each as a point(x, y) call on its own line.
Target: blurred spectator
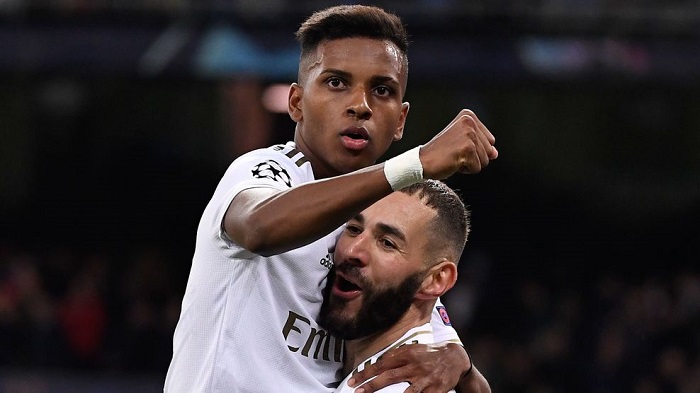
point(27, 320)
point(83, 316)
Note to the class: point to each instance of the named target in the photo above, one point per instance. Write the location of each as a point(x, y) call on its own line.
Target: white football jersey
point(248, 322)
point(417, 335)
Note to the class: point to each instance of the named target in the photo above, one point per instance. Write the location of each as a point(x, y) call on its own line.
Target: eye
point(383, 91)
point(387, 243)
point(335, 82)
point(353, 229)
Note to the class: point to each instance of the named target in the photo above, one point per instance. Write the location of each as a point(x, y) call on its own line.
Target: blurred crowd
point(114, 311)
point(618, 335)
point(89, 312)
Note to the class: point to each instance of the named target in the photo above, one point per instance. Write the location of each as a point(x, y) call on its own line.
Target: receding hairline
point(450, 212)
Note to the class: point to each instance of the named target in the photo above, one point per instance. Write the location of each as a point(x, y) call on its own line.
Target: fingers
point(393, 377)
point(386, 378)
point(478, 151)
point(487, 139)
point(494, 153)
point(489, 136)
point(482, 128)
point(419, 367)
point(464, 146)
point(389, 369)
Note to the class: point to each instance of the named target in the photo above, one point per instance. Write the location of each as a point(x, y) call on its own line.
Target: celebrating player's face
point(380, 307)
point(379, 266)
point(348, 105)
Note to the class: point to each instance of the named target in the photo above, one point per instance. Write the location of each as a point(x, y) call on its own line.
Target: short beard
point(380, 308)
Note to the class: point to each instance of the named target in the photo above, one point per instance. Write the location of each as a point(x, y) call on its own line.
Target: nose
point(353, 250)
point(359, 106)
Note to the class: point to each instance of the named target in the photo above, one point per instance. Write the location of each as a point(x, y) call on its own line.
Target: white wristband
point(404, 169)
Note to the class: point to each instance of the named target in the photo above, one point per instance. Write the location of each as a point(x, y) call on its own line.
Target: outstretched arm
point(268, 222)
point(429, 368)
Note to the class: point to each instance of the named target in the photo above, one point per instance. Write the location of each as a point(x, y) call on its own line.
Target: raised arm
point(268, 222)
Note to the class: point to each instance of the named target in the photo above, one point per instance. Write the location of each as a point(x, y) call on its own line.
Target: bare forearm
point(277, 222)
point(298, 216)
point(474, 382)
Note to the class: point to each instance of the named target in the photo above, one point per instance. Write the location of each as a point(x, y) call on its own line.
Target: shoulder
point(280, 164)
point(286, 154)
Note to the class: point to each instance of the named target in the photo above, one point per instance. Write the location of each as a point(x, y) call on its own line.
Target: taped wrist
point(404, 169)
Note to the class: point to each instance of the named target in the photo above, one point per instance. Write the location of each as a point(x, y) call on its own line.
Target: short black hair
point(452, 225)
point(349, 21)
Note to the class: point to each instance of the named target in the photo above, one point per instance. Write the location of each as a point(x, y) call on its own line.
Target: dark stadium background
point(581, 275)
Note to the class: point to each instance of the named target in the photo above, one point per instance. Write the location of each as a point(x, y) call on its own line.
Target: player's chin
point(352, 160)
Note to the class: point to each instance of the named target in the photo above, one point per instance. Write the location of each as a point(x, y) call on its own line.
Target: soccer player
point(392, 262)
point(263, 247)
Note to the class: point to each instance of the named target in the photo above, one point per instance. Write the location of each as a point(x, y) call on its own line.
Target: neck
point(326, 167)
point(361, 349)
point(321, 170)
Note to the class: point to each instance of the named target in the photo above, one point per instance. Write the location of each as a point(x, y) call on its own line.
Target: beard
point(380, 308)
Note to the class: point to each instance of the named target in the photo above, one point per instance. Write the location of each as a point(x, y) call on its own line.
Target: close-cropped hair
point(350, 21)
point(451, 225)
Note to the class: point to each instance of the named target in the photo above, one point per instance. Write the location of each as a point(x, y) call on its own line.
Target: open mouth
point(355, 138)
point(359, 133)
point(345, 285)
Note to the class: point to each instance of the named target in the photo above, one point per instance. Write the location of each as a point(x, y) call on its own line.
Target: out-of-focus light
point(274, 98)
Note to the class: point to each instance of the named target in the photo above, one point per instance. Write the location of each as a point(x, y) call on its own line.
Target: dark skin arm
point(474, 383)
point(303, 214)
point(267, 222)
point(430, 368)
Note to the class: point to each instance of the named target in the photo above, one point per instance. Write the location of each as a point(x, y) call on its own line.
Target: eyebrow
point(384, 80)
point(392, 230)
point(338, 72)
point(384, 228)
point(377, 79)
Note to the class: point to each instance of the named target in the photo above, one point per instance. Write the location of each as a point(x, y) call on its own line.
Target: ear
point(402, 121)
point(440, 279)
point(294, 102)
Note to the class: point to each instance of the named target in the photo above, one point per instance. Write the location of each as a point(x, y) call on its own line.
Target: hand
point(429, 368)
point(464, 146)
